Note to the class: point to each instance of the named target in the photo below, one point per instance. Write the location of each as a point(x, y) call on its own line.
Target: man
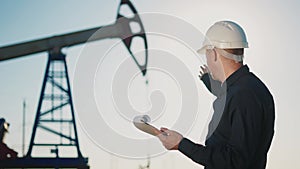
point(5, 151)
point(242, 127)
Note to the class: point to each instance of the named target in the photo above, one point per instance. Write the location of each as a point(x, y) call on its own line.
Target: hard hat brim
point(202, 50)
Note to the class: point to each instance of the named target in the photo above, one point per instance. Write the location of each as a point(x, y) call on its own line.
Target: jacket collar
point(243, 70)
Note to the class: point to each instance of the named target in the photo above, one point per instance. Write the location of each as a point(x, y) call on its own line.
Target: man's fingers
point(163, 129)
point(202, 68)
point(162, 137)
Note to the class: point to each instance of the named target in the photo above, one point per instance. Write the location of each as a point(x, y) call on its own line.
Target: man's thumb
point(163, 129)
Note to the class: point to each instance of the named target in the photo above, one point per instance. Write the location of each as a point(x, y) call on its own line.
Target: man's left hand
point(169, 138)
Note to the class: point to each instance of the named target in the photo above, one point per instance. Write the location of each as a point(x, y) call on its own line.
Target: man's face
point(211, 61)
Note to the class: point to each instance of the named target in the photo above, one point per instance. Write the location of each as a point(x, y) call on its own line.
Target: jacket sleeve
point(212, 85)
point(245, 118)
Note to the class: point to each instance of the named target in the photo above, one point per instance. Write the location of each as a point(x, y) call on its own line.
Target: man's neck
point(230, 69)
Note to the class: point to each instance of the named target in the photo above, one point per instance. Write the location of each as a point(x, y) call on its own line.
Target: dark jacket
point(6, 152)
point(242, 126)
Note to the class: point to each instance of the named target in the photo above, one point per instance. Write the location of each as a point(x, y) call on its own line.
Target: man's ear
point(215, 55)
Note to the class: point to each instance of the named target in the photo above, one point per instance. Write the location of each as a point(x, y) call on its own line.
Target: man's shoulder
point(250, 87)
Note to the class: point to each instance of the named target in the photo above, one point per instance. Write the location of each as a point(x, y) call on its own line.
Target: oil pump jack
point(55, 106)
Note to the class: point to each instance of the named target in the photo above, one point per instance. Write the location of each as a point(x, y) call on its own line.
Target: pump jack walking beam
point(121, 29)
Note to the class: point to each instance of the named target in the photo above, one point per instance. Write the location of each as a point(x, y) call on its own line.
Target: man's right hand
point(203, 70)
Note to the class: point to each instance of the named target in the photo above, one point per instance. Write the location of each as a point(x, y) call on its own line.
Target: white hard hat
point(224, 35)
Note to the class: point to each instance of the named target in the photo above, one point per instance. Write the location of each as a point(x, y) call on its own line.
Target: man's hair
point(238, 51)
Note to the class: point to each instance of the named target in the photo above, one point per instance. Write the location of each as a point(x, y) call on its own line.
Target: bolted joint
point(56, 54)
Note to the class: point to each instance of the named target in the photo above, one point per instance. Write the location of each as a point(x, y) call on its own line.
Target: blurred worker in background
point(5, 152)
point(242, 126)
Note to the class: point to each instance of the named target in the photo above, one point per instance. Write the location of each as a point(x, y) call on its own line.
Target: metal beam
point(60, 41)
point(54, 108)
point(57, 85)
point(57, 133)
point(79, 163)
